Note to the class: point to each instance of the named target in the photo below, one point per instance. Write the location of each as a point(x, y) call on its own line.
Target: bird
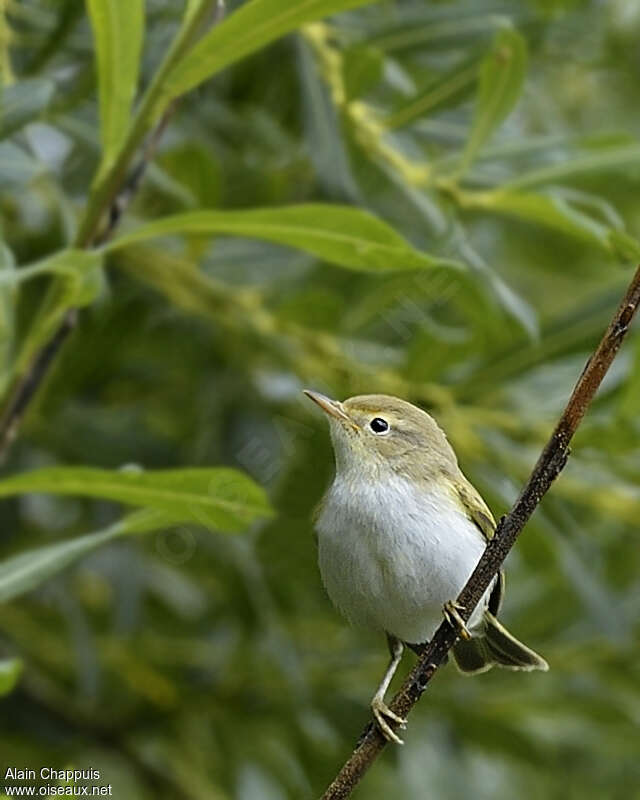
point(399, 532)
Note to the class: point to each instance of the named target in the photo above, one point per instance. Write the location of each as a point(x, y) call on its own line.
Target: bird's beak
point(332, 407)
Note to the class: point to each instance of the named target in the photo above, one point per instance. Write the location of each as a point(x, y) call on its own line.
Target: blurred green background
point(196, 664)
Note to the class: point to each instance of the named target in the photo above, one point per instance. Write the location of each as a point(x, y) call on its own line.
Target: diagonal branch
point(551, 462)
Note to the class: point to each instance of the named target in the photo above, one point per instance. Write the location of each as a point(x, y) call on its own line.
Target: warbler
point(400, 530)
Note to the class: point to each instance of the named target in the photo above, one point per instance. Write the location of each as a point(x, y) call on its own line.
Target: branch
point(114, 198)
point(551, 462)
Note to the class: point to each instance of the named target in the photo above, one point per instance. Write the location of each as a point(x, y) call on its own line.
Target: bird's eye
point(379, 425)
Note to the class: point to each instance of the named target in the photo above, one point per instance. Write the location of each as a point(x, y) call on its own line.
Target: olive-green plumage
point(399, 532)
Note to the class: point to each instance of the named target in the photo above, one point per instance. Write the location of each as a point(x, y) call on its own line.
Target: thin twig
point(124, 197)
point(28, 384)
point(551, 462)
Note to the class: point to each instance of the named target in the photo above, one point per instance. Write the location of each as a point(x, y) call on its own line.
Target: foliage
point(432, 199)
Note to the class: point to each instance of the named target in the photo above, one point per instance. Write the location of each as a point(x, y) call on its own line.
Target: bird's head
point(373, 433)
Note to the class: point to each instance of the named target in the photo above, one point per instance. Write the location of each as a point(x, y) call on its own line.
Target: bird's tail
point(495, 645)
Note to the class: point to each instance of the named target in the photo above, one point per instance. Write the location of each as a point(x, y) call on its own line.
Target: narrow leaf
point(26, 571)
point(341, 235)
point(501, 78)
point(218, 497)
point(118, 29)
point(604, 160)
point(251, 27)
point(446, 89)
point(548, 210)
point(74, 265)
point(81, 280)
point(7, 309)
point(626, 247)
point(10, 671)
point(454, 30)
point(192, 7)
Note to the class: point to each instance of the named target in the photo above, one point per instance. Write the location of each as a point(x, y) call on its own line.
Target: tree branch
point(551, 462)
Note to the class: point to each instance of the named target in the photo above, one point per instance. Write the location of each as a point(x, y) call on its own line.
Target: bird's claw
point(382, 713)
point(451, 613)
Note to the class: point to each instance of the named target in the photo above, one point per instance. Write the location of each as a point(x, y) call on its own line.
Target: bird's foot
point(451, 613)
point(383, 713)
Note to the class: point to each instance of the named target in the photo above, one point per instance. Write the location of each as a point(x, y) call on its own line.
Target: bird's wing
point(478, 512)
point(476, 509)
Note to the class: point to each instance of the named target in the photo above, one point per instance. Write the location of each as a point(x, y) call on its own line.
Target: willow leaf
point(341, 235)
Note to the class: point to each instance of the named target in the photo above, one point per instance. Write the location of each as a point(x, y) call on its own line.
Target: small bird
point(400, 530)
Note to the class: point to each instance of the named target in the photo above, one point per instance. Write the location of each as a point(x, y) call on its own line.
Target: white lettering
point(20, 774)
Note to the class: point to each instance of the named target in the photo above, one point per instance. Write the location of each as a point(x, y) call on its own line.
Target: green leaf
point(218, 497)
point(341, 235)
point(26, 571)
point(251, 27)
point(191, 9)
point(118, 30)
point(7, 308)
point(80, 281)
point(604, 160)
point(549, 210)
point(501, 78)
point(23, 102)
point(447, 89)
point(438, 32)
point(627, 247)
point(74, 265)
point(10, 671)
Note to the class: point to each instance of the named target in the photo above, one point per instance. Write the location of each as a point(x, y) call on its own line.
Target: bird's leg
point(381, 710)
point(451, 613)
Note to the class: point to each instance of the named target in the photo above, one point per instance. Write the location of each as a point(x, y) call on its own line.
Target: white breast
point(391, 558)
